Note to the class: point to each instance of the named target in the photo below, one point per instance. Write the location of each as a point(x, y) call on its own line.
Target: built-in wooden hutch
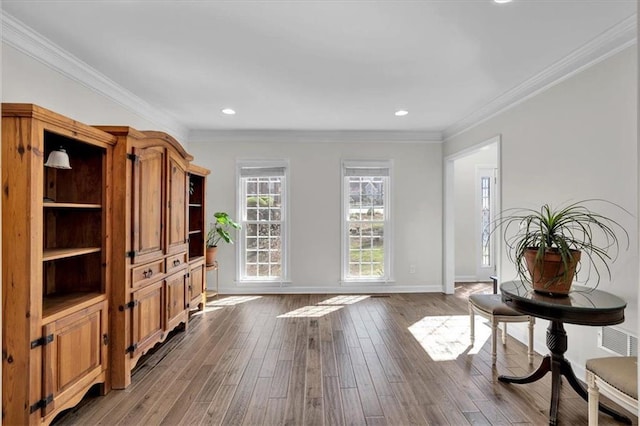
point(100, 260)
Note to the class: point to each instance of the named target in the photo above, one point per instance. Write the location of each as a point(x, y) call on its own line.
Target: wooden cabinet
point(100, 261)
point(56, 262)
point(147, 313)
point(177, 206)
point(197, 289)
point(176, 291)
point(147, 201)
point(76, 356)
point(151, 233)
point(197, 285)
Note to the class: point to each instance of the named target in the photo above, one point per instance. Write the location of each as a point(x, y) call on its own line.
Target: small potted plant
point(549, 244)
point(220, 230)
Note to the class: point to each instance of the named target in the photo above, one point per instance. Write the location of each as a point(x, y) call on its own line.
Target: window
point(262, 206)
point(485, 214)
point(485, 219)
point(366, 213)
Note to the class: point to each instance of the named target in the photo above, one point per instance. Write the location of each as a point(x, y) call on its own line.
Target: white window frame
point(284, 219)
point(388, 222)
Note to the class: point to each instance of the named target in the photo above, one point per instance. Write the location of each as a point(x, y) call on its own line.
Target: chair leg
point(472, 325)
point(504, 333)
point(494, 336)
point(530, 353)
point(594, 394)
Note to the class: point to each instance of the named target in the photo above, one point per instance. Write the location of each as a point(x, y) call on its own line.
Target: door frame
point(448, 238)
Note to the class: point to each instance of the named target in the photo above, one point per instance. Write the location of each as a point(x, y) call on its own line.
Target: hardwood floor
point(331, 360)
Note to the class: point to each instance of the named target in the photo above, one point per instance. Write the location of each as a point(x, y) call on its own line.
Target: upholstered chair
point(615, 377)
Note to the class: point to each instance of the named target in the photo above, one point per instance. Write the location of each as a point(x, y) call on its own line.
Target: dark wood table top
point(583, 305)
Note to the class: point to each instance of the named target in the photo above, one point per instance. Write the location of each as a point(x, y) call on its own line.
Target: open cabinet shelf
point(57, 256)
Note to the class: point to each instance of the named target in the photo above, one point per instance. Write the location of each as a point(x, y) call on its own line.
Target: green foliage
point(263, 201)
point(221, 229)
point(561, 230)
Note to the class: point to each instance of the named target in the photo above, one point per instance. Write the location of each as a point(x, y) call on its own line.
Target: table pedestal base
point(559, 366)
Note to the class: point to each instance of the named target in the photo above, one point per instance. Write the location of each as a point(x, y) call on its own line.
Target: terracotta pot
point(548, 274)
point(211, 255)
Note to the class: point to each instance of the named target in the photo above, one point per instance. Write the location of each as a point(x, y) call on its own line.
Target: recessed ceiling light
point(401, 113)
point(502, 1)
point(228, 111)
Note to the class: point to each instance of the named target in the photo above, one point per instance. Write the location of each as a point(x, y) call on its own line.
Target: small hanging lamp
point(58, 159)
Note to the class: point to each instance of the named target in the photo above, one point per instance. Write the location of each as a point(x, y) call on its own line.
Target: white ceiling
point(326, 65)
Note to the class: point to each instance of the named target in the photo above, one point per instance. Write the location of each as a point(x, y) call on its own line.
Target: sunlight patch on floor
point(232, 300)
point(206, 310)
point(347, 299)
point(310, 312)
point(447, 337)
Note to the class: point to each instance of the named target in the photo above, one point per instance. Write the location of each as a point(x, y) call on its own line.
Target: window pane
point(263, 225)
point(252, 243)
point(485, 187)
point(366, 218)
point(251, 270)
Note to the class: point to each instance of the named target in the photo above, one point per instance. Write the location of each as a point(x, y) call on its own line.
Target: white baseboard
point(351, 289)
point(466, 279)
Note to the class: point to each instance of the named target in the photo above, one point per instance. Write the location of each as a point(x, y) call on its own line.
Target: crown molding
point(311, 136)
point(38, 47)
point(607, 44)
point(33, 44)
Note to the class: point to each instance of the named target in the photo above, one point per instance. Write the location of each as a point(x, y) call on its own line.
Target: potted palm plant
point(548, 245)
point(219, 231)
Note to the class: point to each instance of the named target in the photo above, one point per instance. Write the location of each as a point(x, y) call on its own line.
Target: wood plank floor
point(331, 360)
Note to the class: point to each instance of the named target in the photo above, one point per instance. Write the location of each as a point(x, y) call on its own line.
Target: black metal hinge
point(130, 254)
point(42, 341)
point(41, 404)
point(133, 157)
point(131, 348)
point(129, 305)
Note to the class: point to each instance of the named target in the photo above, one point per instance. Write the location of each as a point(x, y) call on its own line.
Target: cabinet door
point(177, 229)
point(148, 203)
point(176, 299)
point(76, 358)
point(148, 318)
point(196, 286)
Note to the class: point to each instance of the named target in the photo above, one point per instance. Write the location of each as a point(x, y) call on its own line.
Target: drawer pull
point(176, 262)
point(148, 273)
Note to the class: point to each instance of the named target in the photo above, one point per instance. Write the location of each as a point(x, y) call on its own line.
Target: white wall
point(315, 202)
point(467, 232)
point(26, 80)
point(576, 140)
point(315, 233)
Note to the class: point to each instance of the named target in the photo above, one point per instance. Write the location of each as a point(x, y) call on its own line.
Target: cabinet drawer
point(144, 274)
point(177, 261)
